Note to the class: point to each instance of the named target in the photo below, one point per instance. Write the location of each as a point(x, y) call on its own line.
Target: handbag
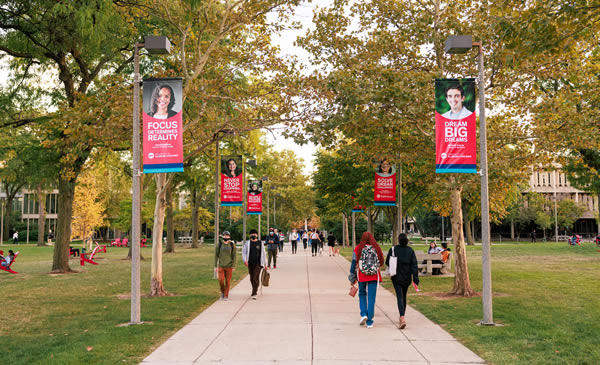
point(393, 263)
point(264, 277)
point(353, 291)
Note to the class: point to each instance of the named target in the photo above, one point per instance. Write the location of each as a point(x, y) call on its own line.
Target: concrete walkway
point(307, 317)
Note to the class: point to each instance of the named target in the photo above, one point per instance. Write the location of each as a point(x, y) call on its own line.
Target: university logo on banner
point(232, 181)
point(385, 184)
point(455, 126)
point(163, 130)
point(254, 197)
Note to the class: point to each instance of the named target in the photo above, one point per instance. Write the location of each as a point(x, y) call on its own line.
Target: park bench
point(183, 239)
point(429, 265)
point(83, 257)
point(8, 269)
point(427, 239)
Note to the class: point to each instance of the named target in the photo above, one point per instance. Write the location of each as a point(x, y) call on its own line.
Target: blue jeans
point(367, 291)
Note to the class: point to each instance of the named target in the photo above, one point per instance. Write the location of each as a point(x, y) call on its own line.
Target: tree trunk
point(170, 247)
point(512, 229)
point(42, 215)
point(469, 232)
point(462, 283)
point(66, 193)
point(156, 280)
point(347, 229)
point(196, 204)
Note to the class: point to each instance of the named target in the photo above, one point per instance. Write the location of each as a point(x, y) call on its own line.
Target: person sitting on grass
point(7, 260)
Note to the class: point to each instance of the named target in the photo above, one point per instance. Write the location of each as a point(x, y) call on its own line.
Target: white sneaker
point(254, 297)
point(363, 320)
point(370, 326)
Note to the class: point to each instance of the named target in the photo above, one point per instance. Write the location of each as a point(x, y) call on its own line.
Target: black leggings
point(304, 242)
point(315, 247)
point(401, 291)
point(294, 246)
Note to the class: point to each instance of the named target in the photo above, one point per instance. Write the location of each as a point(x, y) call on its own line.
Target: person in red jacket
point(367, 258)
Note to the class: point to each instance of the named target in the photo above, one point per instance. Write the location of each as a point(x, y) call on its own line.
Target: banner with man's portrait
point(254, 197)
point(163, 131)
point(232, 181)
point(455, 126)
point(385, 183)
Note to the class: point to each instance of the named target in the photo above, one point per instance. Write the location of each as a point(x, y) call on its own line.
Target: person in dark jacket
point(407, 272)
point(272, 247)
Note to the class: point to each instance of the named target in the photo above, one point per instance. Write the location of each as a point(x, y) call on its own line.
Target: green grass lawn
point(75, 318)
point(546, 296)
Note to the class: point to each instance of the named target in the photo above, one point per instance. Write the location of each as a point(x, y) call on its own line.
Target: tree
point(583, 172)
point(82, 42)
point(87, 209)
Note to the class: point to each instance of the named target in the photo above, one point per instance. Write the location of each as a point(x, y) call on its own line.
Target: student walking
point(407, 272)
point(225, 260)
point(314, 238)
point(367, 258)
point(321, 242)
point(293, 238)
point(272, 247)
point(254, 257)
point(304, 239)
point(331, 244)
point(16, 238)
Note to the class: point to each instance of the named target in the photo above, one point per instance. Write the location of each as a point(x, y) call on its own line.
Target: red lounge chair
point(83, 259)
point(116, 242)
point(100, 248)
point(8, 269)
point(143, 242)
point(124, 242)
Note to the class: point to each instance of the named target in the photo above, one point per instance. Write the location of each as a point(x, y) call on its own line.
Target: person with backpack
point(314, 237)
point(407, 272)
point(272, 247)
point(225, 259)
point(253, 254)
point(304, 239)
point(367, 258)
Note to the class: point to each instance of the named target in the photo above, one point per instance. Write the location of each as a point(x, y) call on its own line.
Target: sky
point(304, 15)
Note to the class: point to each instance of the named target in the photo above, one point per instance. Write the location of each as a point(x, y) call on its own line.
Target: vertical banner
point(232, 181)
point(455, 126)
point(162, 120)
point(255, 197)
point(385, 184)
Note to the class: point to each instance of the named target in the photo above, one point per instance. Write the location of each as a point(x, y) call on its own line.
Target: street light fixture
point(154, 45)
point(458, 44)
point(275, 209)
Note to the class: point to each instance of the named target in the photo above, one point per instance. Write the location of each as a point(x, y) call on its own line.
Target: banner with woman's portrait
point(385, 184)
point(455, 126)
point(232, 181)
point(163, 131)
point(254, 198)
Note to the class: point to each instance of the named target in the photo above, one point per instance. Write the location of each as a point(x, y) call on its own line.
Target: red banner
point(254, 198)
point(385, 189)
point(232, 181)
point(163, 131)
point(455, 126)
point(456, 145)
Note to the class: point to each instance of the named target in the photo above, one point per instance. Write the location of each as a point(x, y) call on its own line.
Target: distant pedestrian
point(272, 248)
point(253, 255)
point(304, 239)
point(280, 243)
point(331, 243)
point(225, 260)
point(533, 236)
point(314, 238)
point(407, 272)
point(321, 242)
point(15, 238)
point(367, 258)
point(50, 236)
point(293, 238)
